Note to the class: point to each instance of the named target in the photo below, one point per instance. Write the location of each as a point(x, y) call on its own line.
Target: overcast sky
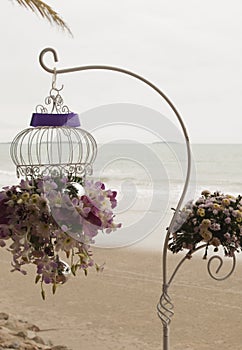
point(190, 49)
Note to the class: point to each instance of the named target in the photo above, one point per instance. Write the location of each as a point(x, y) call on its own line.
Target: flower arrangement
point(41, 218)
point(215, 219)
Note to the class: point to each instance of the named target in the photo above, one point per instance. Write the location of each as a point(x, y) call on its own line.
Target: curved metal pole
point(111, 68)
point(154, 87)
point(208, 265)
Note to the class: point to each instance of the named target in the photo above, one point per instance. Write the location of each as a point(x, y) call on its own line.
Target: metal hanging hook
point(54, 88)
point(41, 61)
point(54, 79)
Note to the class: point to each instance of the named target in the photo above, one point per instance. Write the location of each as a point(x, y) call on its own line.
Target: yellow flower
point(230, 196)
point(206, 235)
point(238, 215)
point(201, 212)
point(226, 201)
point(205, 193)
point(25, 196)
point(34, 198)
point(216, 206)
point(239, 219)
point(206, 223)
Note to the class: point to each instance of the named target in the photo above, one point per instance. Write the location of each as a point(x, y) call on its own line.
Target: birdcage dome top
point(53, 150)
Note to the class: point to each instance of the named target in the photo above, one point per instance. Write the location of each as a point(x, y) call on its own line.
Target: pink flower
point(227, 220)
point(215, 226)
point(227, 235)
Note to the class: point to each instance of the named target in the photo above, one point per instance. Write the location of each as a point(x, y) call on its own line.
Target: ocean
point(149, 179)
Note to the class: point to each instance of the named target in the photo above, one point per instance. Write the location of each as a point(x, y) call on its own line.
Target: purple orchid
point(41, 219)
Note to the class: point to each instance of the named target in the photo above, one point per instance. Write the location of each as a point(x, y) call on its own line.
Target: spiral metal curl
point(165, 307)
point(54, 99)
point(221, 262)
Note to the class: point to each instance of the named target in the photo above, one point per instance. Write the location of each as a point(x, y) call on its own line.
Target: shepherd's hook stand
point(165, 306)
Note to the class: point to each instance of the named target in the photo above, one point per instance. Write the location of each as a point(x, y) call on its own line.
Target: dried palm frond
point(45, 11)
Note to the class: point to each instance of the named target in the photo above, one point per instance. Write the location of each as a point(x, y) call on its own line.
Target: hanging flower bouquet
point(215, 219)
point(41, 218)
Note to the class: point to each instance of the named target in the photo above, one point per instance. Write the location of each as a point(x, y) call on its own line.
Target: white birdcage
point(55, 145)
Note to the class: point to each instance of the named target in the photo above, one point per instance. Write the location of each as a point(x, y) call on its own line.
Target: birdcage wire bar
point(63, 150)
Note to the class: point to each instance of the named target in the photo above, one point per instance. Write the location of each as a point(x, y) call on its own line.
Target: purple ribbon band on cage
point(48, 119)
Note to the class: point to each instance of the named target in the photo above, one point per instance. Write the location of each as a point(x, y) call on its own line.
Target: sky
point(190, 49)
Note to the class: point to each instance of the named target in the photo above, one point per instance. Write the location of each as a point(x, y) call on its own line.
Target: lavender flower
point(41, 219)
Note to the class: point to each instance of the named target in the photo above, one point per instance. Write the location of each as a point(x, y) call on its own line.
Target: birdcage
point(54, 145)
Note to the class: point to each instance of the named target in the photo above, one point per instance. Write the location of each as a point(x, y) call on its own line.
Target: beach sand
point(116, 309)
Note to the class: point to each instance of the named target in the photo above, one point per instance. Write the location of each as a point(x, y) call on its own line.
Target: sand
point(116, 309)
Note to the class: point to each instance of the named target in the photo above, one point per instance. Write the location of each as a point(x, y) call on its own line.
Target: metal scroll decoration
point(165, 305)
